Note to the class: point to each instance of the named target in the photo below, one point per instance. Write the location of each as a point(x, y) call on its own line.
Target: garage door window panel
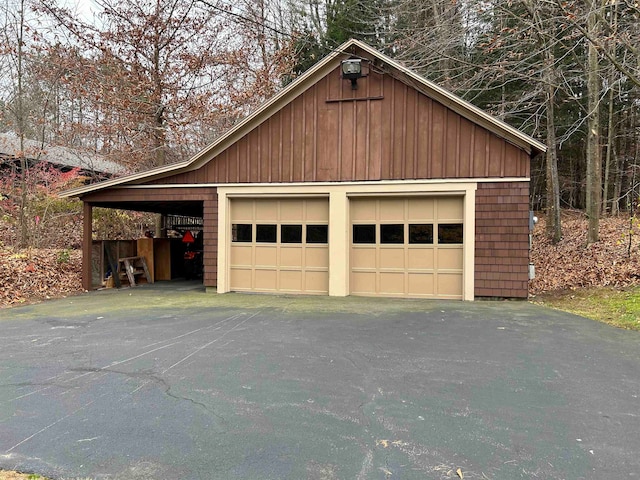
point(450, 234)
point(421, 234)
point(242, 232)
point(317, 234)
point(266, 233)
point(392, 233)
point(291, 233)
point(364, 234)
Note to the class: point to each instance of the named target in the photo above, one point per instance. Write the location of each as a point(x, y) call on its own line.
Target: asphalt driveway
point(168, 382)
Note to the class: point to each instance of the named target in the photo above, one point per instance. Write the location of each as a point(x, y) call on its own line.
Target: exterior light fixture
point(352, 70)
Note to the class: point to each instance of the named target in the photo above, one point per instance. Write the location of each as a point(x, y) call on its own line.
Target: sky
point(85, 8)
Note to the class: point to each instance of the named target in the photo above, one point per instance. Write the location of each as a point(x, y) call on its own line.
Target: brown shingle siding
point(210, 226)
point(502, 240)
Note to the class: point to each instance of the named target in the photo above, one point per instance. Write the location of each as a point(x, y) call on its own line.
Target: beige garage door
point(407, 247)
point(280, 245)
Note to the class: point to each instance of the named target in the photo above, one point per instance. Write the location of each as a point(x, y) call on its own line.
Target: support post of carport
point(87, 244)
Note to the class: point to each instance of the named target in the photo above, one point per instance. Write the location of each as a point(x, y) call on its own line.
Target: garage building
point(359, 178)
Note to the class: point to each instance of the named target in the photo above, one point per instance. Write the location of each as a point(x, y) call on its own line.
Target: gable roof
point(305, 81)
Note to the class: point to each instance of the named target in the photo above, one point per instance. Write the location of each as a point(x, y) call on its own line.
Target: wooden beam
point(87, 244)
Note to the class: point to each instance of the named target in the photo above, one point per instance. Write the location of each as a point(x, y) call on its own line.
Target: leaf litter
point(613, 261)
point(28, 275)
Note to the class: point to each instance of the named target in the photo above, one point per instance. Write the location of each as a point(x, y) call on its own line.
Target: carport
point(186, 202)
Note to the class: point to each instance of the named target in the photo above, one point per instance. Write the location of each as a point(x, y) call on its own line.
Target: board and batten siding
point(384, 130)
point(502, 240)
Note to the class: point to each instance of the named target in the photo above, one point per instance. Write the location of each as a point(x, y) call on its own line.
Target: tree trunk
point(20, 122)
point(609, 154)
point(611, 127)
point(554, 228)
point(594, 157)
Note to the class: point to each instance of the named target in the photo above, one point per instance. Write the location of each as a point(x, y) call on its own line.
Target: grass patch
point(620, 308)
point(11, 475)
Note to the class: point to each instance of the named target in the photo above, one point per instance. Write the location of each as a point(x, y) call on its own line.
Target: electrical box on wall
point(532, 271)
point(532, 220)
point(532, 223)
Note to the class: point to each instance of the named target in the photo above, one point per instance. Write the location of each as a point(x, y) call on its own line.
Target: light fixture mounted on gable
point(352, 70)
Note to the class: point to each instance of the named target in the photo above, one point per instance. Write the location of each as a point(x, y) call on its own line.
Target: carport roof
point(183, 208)
point(450, 100)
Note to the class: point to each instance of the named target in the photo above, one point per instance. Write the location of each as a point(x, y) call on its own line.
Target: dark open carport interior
point(164, 252)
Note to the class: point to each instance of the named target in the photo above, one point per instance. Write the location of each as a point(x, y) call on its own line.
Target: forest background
point(148, 82)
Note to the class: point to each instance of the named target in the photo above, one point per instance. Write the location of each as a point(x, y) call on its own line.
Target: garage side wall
point(502, 240)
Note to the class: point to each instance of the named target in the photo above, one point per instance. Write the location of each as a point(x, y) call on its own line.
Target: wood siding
point(208, 196)
point(384, 130)
point(502, 240)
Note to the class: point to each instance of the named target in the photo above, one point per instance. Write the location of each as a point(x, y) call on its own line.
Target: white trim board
point(450, 181)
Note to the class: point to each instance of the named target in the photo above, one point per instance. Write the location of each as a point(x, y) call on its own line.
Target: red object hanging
point(188, 238)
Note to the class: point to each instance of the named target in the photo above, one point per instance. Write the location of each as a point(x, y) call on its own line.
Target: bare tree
point(13, 50)
point(156, 76)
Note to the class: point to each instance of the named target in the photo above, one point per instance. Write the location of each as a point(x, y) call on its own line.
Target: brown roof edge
point(302, 83)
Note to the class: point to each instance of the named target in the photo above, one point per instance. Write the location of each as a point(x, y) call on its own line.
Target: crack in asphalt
point(151, 377)
point(146, 375)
